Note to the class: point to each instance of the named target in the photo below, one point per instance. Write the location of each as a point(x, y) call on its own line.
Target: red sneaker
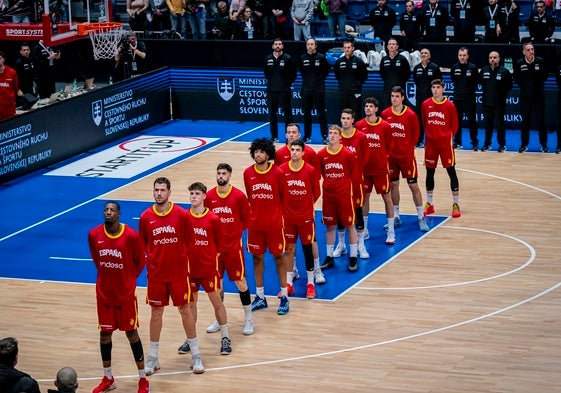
point(456, 210)
point(429, 209)
point(106, 385)
point(143, 386)
point(311, 291)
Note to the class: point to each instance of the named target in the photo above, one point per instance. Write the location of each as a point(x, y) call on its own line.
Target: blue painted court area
point(45, 219)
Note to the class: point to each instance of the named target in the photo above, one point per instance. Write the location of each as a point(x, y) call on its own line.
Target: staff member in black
point(394, 70)
point(44, 60)
point(280, 72)
point(382, 20)
point(351, 73)
point(496, 82)
point(530, 75)
point(464, 14)
point(558, 78)
point(435, 20)
point(423, 75)
point(465, 76)
point(314, 69)
point(410, 27)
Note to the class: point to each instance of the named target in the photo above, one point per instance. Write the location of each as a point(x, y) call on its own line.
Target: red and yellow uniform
point(310, 156)
point(441, 123)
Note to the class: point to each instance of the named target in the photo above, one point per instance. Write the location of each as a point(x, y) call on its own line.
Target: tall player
point(118, 255)
point(203, 240)
point(441, 123)
point(162, 230)
point(376, 170)
point(405, 134)
point(282, 156)
point(342, 181)
point(264, 188)
point(301, 191)
point(232, 207)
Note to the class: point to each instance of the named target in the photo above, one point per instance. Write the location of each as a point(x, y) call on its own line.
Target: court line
point(71, 259)
point(523, 266)
point(123, 186)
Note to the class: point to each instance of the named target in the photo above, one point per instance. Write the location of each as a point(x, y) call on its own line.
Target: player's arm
point(139, 257)
point(93, 250)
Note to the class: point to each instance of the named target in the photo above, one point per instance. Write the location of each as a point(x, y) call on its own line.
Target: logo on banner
point(226, 87)
point(410, 91)
point(97, 110)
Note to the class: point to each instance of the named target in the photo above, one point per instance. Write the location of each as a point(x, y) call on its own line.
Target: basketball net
point(105, 41)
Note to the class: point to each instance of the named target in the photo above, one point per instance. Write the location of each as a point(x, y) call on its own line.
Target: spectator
point(337, 17)
point(314, 70)
point(511, 23)
point(223, 27)
point(161, 19)
point(494, 20)
point(530, 75)
point(496, 82)
point(137, 12)
point(11, 379)
point(280, 72)
point(25, 70)
point(434, 22)
point(177, 17)
point(44, 60)
point(130, 58)
point(302, 12)
point(66, 381)
point(463, 12)
point(196, 15)
point(280, 10)
point(236, 8)
point(423, 74)
point(247, 26)
point(558, 78)
point(394, 70)
point(411, 27)
point(262, 12)
point(351, 73)
point(541, 25)
point(465, 76)
point(20, 10)
point(382, 19)
point(9, 88)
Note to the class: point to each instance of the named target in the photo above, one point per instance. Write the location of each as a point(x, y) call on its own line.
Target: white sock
point(396, 210)
point(310, 275)
point(455, 198)
point(353, 250)
point(154, 347)
point(329, 248)
point(361, 238)
point(391, 226)
point(419, 211)
point(224, 330)
point(260, 291)
point(247, 311)
point(284, 291)
point(429, 198)
point(365, 218)
point(289, 277)
point(194, 345)
point(107, 372)
point(141, 373)
point(341, 236)
point(316, 263)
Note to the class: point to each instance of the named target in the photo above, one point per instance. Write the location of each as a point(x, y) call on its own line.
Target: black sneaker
point(523, 149)
point(501, 149)
point(485, 147)
point(558, 150)
point(458, 146)
point(328, 263)
point(225, 346)
point(545, 149)
point(420, 145)
point(474, 147)
point(274, 140)
point(184, 348)
point(353, 264)
point(308, 140)
point(325, 141)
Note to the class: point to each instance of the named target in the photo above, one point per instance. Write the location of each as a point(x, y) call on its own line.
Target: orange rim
point(85, 28)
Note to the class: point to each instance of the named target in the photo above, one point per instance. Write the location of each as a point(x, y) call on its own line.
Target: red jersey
point(203, 243)
point(9, 87)
point(163, 236)
point(358, 145)
point(264, 191)
point(301, 192)
point(119, 259)
point(440, 120)
point(310, 156)
point(378, 136)
point(234, 212)
point(340, 171)
point(405, 131)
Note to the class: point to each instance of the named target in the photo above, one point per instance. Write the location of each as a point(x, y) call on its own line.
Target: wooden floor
point(474, 307)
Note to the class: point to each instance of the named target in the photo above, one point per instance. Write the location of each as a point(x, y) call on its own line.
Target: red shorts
point(407, 166)
point(158, 293)
point(306, 231)
point(233, 263)
point(123, 317)
point(339, 209)
point(209, 284)
point(446, 154)
point(380, 183)
point(259, 241)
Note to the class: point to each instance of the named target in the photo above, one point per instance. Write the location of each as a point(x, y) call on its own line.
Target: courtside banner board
point(132, 157)
point(64, 129)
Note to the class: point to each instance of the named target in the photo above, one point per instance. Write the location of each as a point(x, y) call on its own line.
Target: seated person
point(11, 379)
point(66, 381)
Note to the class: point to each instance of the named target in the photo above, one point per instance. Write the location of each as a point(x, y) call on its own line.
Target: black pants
point(467, 107)
point(494, 115)
point(311, 99)
point(350, 101)
point(276, 100)
point(527, 106)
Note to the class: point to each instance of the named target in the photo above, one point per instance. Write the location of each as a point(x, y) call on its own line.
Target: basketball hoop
point(105, 37)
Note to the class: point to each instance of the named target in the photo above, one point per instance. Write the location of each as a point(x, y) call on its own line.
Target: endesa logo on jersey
point(133, 157)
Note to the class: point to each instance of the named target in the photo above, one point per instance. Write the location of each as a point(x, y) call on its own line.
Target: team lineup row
point(184, 250)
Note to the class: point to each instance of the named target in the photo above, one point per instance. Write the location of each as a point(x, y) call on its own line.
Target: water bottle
point(74, 87)
point(110, 80)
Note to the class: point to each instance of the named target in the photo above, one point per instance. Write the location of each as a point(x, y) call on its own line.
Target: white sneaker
point(248, 327)
point(341, 249)
point(152, 365)
point(366, 234)
point(319, 278)
point(197, 364)
point(214, 327)
point(362, 253)
point(423, 224)
point(390, 239)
